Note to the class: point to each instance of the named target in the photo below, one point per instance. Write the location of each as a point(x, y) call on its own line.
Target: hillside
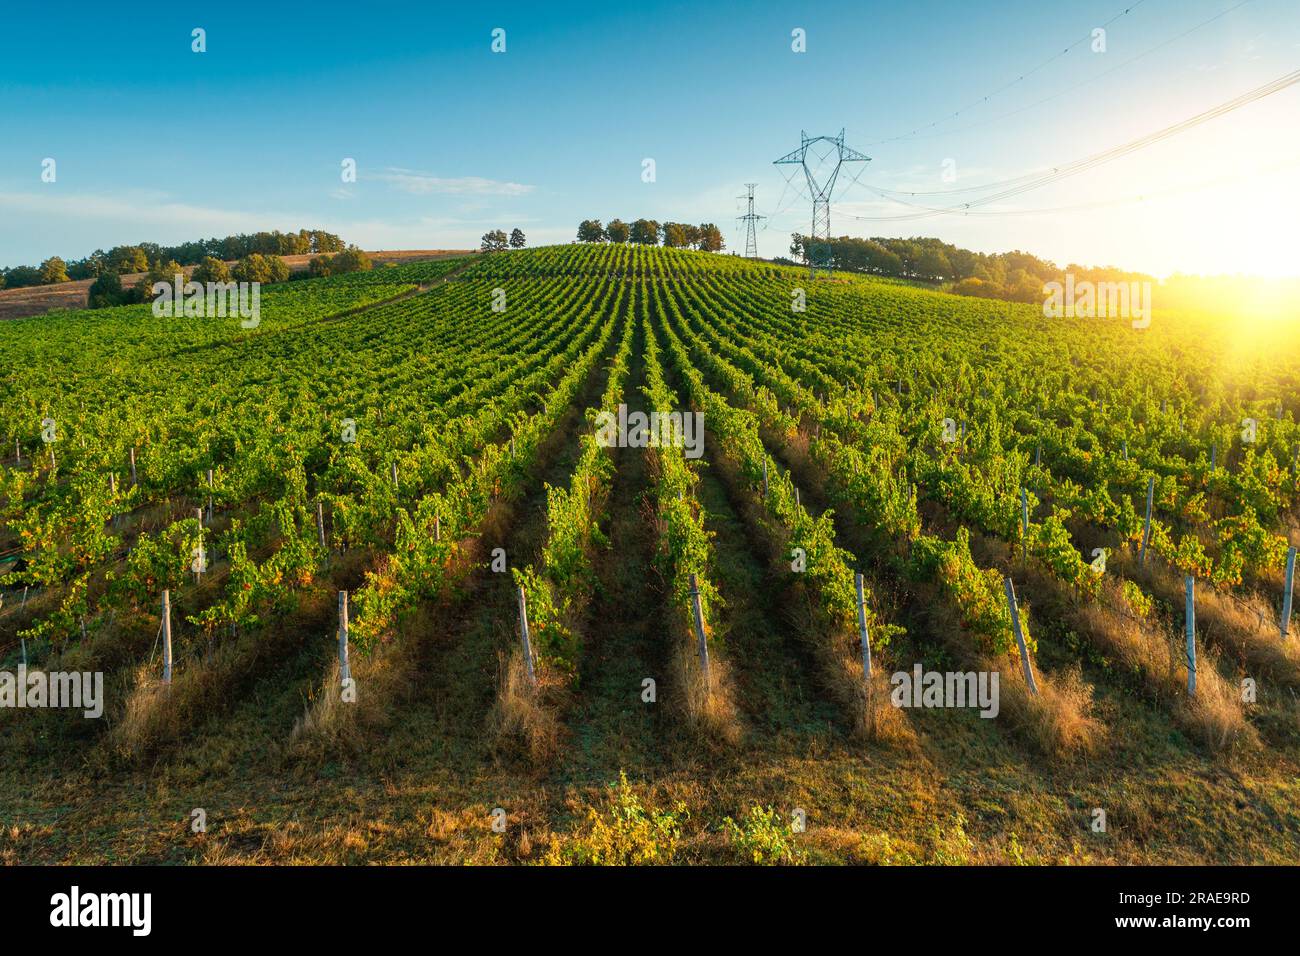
point(39, 299)
point(428, 439)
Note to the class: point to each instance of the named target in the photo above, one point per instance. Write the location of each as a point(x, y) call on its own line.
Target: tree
point(106, 291)
point(880, 260)
point(674, 235)
point(709, 238)
point(20, 276)
point(516, 238)
point(1023, 286)
point(128, 259)
point(494, 241)
point(256, 267)
point(976, 287)
point(350, 259)
point(211, 269)
point(90, 267)
point(318, 240)
point(645, 232)
point(933, 264)
point(159, 272)
point(53, 270)
point(618, 231)
point(590, 230)
point(319, 266)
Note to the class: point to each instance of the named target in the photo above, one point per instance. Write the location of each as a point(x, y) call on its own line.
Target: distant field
point(35, 300)
point(429, 440)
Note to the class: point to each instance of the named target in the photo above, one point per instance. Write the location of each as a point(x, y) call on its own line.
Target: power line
point(1022, 184)
point(780, 209)
point(1101, 203)
point(984, 99)
point(1058, 95)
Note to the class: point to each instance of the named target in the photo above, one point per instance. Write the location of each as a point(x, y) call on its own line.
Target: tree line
point(107, 290)
point(649, 232)
point(124, 260)
point(1014, 276)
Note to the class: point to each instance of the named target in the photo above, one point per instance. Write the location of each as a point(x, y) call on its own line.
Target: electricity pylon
point(749, 219)
point(821, 187)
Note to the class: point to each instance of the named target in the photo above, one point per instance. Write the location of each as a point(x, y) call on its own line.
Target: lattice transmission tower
point(829, 153)
point(750, 219)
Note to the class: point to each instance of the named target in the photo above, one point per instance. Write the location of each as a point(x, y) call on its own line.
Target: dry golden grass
point(522, 716)
point(1244, 627)
point(1057, 721)
point(876, 718)
point(1215, 716)
point(382, 679)
point(151, 715)
point(156, 714)
point(1216, 711)
point(709, 708)
point(836, 656)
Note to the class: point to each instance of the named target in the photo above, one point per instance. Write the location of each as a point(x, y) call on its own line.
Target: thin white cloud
point(144, 208)
point(420, 184)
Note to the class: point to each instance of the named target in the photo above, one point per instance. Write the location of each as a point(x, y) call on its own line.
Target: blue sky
point(155, 142)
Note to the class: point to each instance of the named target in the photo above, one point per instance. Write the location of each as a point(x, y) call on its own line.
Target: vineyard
point(367, 583)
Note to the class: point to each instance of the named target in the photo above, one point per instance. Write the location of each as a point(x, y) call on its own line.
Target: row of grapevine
point(560, 587)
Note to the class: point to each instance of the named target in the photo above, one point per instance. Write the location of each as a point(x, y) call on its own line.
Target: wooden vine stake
point(1290, 590)
point(133, 478)
point(1146, 528)
point(523, 637)
point(862, 630)
point(320, 522)
point(1191, 636)
point(167, 636)
point(345, 669)
point(1020, 637)
point(699, 630)
point(201, 557)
